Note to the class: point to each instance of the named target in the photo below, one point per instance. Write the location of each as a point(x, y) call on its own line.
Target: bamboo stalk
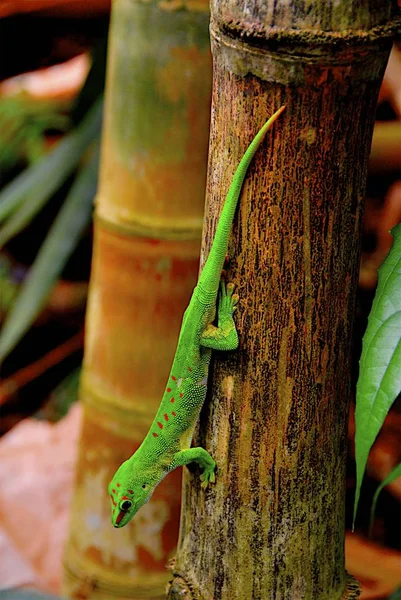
point(273, 525)
point(147, 232)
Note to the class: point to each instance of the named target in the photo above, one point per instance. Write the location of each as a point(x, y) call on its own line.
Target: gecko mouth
point(120, 517)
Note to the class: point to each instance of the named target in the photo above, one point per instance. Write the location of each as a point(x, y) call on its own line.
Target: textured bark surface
point(147, 236)
point(273, 525)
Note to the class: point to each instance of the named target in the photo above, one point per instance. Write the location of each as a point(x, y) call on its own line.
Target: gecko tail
point(209, 279)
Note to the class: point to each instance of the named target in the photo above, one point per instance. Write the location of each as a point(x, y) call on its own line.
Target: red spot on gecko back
point(130, 491)
point(181, 395)
point(160, 424)
point(172, 400)
point(118, 485)
point(113, 501)
point(114, 491)
point(154, 434)
point(124, 498)
point(173, 378)
point(169, 389)
point(174, 414)
point(189, 369)
point(166, 416)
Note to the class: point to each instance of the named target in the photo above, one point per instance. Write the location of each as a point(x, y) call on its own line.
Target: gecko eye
point(144, 486)
point(125, 505)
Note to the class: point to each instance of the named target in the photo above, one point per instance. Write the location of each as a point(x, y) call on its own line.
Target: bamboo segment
point(165, 76)
point(273, 525)
point(146, 253)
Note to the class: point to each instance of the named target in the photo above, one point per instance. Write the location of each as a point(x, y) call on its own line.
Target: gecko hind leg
point(223, 337)
point(200, 456)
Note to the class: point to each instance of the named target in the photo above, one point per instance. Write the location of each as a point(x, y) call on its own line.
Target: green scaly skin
point(167, 444)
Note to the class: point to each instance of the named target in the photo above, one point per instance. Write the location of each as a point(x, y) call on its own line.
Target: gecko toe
point(208, 476)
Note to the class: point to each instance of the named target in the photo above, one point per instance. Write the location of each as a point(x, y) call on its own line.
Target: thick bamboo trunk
point(146, 253)
point(273, 526)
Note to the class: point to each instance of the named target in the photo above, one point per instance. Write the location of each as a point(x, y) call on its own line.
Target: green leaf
point(60, 242)
point(396, 595)
point(94, 83)
point(23, 123)
point(8, 287)
point(392, 476)
point(24, 197)
point(379, 380)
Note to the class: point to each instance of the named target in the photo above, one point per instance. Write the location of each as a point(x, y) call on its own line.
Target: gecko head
point(129, 489)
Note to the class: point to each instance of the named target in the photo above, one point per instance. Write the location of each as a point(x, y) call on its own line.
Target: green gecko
point(167, 444)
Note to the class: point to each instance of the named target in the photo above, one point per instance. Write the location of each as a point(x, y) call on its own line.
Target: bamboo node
point(311, 44)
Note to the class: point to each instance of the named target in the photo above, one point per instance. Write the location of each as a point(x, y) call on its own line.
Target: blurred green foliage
point(61, 399)
point(396, 595)
point(8, 286)
point(23, 123)
point(28, 193)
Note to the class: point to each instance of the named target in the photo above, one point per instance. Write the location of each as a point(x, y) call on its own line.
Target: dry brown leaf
point(59, 82)
point(378, 569)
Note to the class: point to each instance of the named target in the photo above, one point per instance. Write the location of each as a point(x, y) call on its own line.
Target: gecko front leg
point(223, 337)
point(200, 456)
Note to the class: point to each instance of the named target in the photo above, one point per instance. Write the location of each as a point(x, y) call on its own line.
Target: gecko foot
point(208, 475)
point(224, 337)
point(228, 300)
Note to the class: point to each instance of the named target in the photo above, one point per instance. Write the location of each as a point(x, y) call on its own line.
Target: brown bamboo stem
point(273, 526)
point(147, 232)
